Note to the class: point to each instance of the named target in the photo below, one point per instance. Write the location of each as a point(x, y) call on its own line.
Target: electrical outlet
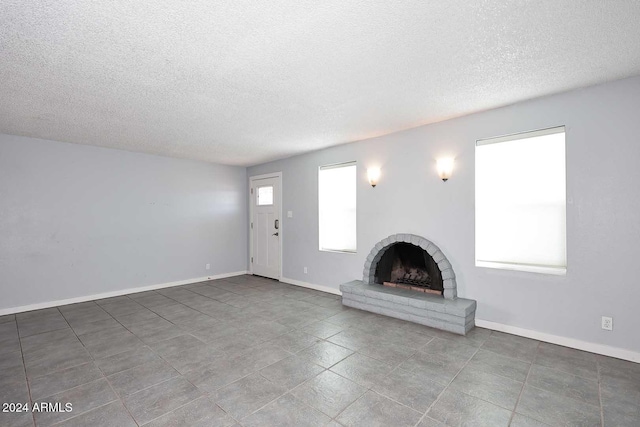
point(607, 323)
point(305, 270)
point(208, 266)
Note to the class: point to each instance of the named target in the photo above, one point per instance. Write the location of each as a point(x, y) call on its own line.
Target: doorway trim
point(277, 175)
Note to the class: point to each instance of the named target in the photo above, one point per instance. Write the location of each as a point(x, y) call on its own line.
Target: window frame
point(335, 166)
point(519, 266)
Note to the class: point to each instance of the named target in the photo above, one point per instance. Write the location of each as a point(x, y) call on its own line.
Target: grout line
point(101, 372)
point(352, 403)
point(119, 398)
point(24, 368)
point(42, 333)
point(226, 385)
point(561, 371)
point(511, 358)
point(524, 384)
point(267, 404)
point(202, 396)
point(393, 400)
point(92, 358)
point(370, 388)
point(57, 423)
point(450, 382)
point(159, 355)
point(600, 392)
point(554, 368)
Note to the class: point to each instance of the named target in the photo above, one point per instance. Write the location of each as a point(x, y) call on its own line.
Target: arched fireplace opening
point(437, 266)
point(408, 266)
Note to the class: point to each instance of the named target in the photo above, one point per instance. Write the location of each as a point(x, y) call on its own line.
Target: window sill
point(338, 251)
point(541, 269)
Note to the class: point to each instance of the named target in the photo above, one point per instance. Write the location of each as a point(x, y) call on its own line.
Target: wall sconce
point(374, 175)
point(445, 168)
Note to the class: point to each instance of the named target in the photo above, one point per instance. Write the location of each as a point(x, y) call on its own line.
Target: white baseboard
point(311, 286)
point(605, 350)
point(85, 298)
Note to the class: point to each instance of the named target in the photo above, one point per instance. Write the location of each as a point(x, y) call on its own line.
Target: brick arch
point(448, 276)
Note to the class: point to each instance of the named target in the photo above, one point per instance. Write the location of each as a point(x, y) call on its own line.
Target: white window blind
point(521, 202)
point(337, 202)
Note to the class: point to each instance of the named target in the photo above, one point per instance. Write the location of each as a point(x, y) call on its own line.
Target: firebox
point(408, 266)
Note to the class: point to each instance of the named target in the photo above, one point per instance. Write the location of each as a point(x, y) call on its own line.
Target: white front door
point(265, 227)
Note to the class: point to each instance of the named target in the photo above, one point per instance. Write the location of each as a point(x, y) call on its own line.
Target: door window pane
point(265, 195)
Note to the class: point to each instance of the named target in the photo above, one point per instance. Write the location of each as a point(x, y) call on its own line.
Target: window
point(521, 202)
point(337, 202)
point(265, 195)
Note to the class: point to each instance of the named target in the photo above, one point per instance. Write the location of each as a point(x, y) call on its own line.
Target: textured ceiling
point(243, 82)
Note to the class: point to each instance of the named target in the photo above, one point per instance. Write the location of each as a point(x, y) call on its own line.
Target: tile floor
point(247, 351)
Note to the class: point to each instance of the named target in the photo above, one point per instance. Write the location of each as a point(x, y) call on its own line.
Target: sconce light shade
point(374, 175)
point(445, 168)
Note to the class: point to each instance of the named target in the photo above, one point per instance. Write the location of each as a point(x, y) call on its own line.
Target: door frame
point(277, 175)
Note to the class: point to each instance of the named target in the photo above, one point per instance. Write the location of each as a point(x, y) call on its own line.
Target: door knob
point(275, 234)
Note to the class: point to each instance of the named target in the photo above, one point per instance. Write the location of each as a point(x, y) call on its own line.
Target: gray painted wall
point(78, 220)
point(603, 153)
